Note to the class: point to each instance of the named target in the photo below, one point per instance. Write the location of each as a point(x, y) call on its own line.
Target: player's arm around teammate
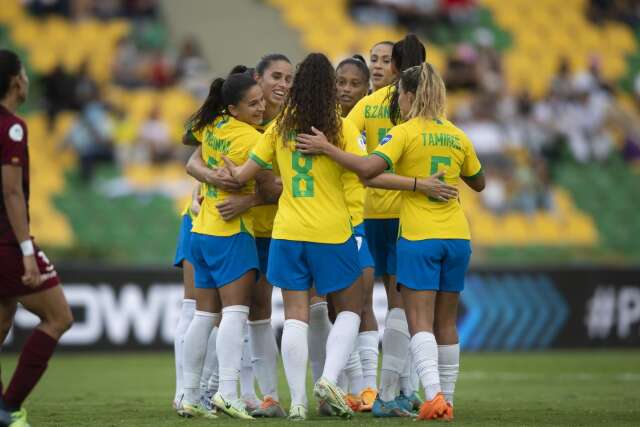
point(223, 252)
point(26, 275)
point(434, 246)
point(312, 243)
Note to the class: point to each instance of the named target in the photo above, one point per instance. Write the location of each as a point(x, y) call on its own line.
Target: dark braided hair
point(267, 60)
point(312, 101)
point(405, 54)
point(359, 62)
point(10, 67)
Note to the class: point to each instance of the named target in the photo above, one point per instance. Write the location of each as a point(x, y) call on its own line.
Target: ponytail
point(405, 54)
point(221, 94)
point(212, 107)
point(425, 82)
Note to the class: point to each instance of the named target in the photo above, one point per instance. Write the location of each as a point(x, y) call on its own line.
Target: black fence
point(501, 309)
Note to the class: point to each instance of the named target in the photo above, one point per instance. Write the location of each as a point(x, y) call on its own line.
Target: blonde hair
point(430, 91)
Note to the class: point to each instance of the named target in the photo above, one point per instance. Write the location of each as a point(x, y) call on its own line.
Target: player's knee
point(259, 310)
point(445, 332)
point(61, 321)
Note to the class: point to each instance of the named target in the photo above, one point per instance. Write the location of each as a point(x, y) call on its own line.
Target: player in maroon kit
point(26, 276)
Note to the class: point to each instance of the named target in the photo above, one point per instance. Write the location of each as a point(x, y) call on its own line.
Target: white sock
point(340, 344)
point(405, 377)
point(195, 347)
point(395, 352)
point(229, 348)
point(414, 379)
point(247, 384)
point(264, 355)
point(294, 358)
point(186, 314)
point(425, 355)
point(353, 371)
point(448, 366)
point(343, 382)
point(214, 379)
point(211, 358)
point(368, 348)
point(319, 328)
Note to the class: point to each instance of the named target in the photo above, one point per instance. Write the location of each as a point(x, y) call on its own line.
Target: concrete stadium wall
point(231, 32)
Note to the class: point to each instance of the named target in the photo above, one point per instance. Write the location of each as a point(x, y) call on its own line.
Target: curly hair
point(312, 101)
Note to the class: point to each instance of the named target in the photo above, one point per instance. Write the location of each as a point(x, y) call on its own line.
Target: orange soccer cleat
point(436, 409)
point(354, 402)
point(367, 397)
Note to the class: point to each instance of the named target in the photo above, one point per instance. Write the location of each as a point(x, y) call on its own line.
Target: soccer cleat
point(435, 409)
point(233, 408)
point(196, 410)
point(416, 400)
point(334, 397)
point(324, 409)
point(403, 402)
point(354, 402)
point(297, 413)
point(449, 415)
point(382, 409)
point(269, 408)
point(205, 403)
point(251, 402)
point(18, 419)
point(367, 397)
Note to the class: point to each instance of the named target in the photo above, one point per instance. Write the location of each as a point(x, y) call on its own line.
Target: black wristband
point(415, 183)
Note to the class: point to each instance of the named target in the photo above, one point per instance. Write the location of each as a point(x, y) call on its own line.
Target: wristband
point(415, 183)
point(27, 248)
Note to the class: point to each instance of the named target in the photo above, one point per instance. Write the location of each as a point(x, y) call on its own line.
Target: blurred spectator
point(154, 139)
point(85, 88)
point(461, 68)
point(161, 70)
point(57, 85)
point(91, 136)
point(125, 68)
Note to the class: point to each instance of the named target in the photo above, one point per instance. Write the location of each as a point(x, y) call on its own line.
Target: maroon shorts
point(12, 270)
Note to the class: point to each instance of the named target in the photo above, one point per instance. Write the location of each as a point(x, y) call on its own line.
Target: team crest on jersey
point(385, 139)
point(16, 133)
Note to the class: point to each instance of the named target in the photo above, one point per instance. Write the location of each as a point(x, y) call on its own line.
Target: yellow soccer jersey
point(420, 148)
point(354, 196)
point(264, 215)
point(234, 139)
point(371, 116)
point(187, 209)
point(312, 207)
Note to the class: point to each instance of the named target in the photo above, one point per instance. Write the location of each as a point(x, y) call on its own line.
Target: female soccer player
point(26, 275)
point(434, 246)
point(274, 74)
point(382, 209)
point(312, 242)
point(223, 252)
point(380, 65)
point(352, 81)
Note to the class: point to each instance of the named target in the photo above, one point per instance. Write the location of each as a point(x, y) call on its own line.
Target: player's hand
point(234, 205)
point(196, 204)
point(435, 188)
point(31, 276)
point(314, 143)
point(222, 178)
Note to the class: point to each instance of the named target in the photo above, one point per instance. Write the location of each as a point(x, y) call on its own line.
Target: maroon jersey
point(13, 151)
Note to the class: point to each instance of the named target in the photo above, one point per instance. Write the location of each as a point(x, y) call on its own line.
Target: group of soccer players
point(315, 181)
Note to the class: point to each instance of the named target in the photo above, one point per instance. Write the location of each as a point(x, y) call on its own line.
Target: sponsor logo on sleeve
point(385, 139)
point(16, 133)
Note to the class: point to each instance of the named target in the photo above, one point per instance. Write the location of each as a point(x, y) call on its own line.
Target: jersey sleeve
point(471, 166)
point(13, 144)
point(392, 146)
point(264, 150)
point(353, 142)
point(356, 115)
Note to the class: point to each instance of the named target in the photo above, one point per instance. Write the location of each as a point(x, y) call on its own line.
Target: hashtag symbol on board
point(601, 312)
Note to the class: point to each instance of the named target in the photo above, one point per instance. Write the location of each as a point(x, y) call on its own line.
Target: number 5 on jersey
point(436, 161)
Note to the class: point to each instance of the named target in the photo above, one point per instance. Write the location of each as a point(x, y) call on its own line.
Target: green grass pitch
point(549, 388)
